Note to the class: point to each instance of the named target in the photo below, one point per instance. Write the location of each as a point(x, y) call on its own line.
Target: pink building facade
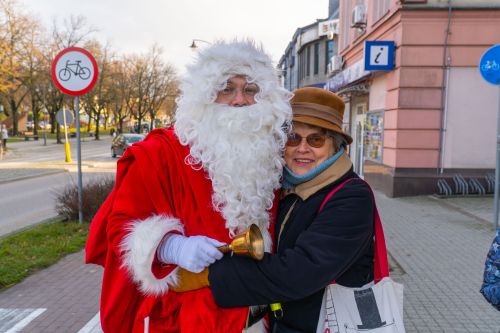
point(432, 116)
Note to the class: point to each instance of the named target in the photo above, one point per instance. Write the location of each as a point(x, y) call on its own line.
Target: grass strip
point(30, 250)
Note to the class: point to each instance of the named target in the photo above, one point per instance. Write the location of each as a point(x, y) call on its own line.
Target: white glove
point(191, 253)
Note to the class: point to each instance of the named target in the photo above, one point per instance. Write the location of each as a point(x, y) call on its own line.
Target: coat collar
point(330, 175)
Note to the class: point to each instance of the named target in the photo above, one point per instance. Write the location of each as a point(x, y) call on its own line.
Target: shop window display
point(373, 138)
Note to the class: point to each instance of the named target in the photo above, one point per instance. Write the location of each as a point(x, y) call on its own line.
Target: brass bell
point(249, 243)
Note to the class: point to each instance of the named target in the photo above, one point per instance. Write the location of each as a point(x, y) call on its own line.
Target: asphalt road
point(31, 175)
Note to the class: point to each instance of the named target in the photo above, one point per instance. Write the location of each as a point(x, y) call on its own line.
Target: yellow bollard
point(68, 152)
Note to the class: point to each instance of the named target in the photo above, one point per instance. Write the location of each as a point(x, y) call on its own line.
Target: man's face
point(238, 92)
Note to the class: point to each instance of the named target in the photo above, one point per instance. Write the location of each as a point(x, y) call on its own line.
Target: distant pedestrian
point(491, 280)
point(5, 136)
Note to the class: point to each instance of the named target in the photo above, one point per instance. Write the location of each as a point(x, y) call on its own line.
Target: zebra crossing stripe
point(14, 320)
point(93, 326)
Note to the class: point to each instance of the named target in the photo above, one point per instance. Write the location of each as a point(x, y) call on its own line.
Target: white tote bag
point(374, 308)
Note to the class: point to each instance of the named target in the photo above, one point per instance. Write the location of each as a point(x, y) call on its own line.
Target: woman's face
point(304, 157)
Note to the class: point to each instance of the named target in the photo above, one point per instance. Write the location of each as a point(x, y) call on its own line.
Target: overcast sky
point(135, 25)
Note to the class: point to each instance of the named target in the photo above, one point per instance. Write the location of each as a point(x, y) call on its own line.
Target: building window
point(316, 58)
point(302, 65)
point(308, 64)
point(330, 45)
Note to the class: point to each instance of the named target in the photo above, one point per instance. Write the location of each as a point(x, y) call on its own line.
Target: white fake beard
point(241, 150)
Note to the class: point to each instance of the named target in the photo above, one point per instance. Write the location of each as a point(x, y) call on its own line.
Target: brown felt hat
point(319, 107)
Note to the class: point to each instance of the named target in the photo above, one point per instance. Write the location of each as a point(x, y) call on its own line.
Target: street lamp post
point(194, 46)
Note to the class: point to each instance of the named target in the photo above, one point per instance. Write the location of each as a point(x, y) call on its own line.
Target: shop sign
point(328, 28)
point(347, 76)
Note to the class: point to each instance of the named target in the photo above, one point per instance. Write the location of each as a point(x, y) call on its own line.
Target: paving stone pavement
point(437, 247)
point(440, 245)
point(69, 290)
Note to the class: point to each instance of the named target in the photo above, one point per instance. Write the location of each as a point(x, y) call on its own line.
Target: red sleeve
point(132, 203)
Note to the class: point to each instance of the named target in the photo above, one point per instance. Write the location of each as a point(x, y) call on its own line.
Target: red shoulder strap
point(380, 263)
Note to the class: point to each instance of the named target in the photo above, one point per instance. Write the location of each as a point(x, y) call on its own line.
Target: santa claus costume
point(214, 174)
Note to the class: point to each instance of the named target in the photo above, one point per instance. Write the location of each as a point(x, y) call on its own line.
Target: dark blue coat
point(313, 250)
point(491, 279)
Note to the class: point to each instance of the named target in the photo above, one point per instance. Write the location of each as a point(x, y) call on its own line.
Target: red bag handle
point(380, 263)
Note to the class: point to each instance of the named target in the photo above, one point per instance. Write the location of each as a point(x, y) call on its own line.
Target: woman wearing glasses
point(312, 246)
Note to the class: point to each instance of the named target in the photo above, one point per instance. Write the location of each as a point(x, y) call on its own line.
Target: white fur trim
point(140, 250)
point(258, 327)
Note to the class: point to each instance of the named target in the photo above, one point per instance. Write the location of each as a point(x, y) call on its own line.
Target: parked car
point(122, 142)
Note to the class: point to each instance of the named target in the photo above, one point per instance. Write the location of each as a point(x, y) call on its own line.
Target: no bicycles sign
point(74, 71)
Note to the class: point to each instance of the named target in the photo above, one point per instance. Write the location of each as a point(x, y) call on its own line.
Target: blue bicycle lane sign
point(489, 65)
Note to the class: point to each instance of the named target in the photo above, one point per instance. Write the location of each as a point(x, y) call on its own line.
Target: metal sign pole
point(497, 167)
point(79, 158)
point(489, 68)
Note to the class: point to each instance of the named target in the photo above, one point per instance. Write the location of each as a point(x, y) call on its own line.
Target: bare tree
point(163, 83)
point(33, 64)
point(139, 86)
point(151, 81)
point(75, 31)
point(15, 27)
point(97, 100)
point(119, 92)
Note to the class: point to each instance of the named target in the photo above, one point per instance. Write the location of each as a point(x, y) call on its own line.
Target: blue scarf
point(291, 180)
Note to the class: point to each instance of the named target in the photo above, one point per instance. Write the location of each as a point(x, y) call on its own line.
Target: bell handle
point(225, 248)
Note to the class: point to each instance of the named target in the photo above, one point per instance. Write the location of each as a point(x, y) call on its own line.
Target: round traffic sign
point(489, 65)
point(69, 117)
point(74, 71)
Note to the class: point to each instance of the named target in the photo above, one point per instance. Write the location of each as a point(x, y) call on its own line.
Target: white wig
point(222, 60)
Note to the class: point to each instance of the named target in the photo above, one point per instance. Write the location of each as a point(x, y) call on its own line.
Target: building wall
point(471, 126)
point(378, 92)
point(299, 72)
point(321, 76)
point(454, 3)
point(413, 146)
point(417, 100)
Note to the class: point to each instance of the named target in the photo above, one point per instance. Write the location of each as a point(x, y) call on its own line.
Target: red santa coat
point(156, 193)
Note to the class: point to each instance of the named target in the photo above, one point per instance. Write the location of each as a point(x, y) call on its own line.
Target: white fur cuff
point(140, 250)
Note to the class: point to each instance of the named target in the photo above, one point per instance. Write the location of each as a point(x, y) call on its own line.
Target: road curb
point(48, 173)
point(44, 221)
point(459, 209)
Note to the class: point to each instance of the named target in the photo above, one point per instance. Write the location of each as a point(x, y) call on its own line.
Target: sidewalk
point(437, 247)
point(441, 245)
